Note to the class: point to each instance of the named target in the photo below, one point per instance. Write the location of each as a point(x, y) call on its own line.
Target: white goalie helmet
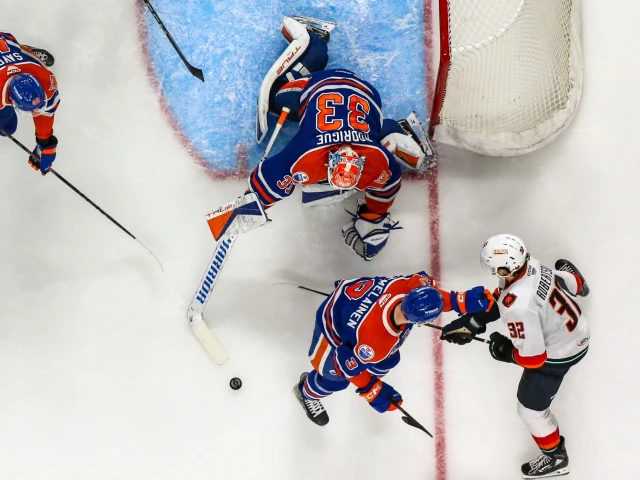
point(503, 252)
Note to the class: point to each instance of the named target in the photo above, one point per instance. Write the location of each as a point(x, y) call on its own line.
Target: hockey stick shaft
point(283, 116)
point(430, 325)
point(72, 187)
point(408, 419)
point(196, 72)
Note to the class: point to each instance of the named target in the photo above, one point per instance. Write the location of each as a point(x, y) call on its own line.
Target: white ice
point(101, 377)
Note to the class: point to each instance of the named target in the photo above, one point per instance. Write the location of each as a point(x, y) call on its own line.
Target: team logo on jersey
point(300, 177)
point(508, 300)
point(365, 352)
point(384, 299)
point(54, 83)
point(426, 281)
point(358, 290)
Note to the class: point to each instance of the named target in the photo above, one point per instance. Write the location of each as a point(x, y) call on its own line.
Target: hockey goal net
point(510, 73)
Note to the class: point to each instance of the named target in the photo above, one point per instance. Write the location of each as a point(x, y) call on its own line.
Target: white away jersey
point(543, 316)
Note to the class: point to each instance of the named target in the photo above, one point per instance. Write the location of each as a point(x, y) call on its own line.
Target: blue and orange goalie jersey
point(336, 107)
point(16, 59)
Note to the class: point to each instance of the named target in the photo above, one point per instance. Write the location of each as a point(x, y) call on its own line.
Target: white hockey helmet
point(503, 252)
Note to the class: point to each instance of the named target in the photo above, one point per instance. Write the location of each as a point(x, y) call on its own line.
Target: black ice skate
point(313, 408)
point(548, 465)
point(44, 56)
point(567, 266)
point(315, 25)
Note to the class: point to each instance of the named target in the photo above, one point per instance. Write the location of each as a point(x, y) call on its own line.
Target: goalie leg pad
point(300, 40)
point(403, 143)
point(314, 59)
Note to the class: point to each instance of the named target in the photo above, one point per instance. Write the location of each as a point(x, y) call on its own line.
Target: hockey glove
point(44, 153)
point(379, 395)
point(478, 299)
point(501, 348)
point(462, 330)
point(368, 232)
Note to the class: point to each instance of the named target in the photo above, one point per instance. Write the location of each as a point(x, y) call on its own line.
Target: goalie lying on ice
point(343, 143)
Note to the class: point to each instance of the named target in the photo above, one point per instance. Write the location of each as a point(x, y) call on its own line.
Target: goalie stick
point(229, 232)
point(201, 298)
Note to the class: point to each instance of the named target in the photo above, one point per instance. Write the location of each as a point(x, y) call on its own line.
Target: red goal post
point(510, 73)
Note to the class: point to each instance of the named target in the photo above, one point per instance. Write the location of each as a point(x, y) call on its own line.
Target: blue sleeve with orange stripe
point(271, 180)
point(379, 200)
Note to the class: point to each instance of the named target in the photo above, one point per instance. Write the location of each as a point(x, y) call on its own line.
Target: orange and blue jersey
point(357, 318)
point(16, 59)
point(335, 107)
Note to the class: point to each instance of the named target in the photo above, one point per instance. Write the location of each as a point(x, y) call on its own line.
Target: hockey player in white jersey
point(549, 334)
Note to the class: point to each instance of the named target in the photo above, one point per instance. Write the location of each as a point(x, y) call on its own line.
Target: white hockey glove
point(367, 233)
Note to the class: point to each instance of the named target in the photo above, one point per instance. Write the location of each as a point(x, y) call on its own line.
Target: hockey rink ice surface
point(100, 375)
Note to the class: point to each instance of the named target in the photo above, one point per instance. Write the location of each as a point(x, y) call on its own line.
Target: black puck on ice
point(235, 383)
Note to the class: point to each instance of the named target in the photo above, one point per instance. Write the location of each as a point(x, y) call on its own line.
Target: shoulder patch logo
point(508, 300)
point(384, 300)
point(365, 352)
point(384, 176)
point(300, 177)
point(426, 281)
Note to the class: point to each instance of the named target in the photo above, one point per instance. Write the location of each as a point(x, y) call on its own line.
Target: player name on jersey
point(342, 136)
point(368, 301)
point(546, 278)
point(10, 58)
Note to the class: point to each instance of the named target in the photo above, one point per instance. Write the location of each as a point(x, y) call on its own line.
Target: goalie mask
point(344, 168)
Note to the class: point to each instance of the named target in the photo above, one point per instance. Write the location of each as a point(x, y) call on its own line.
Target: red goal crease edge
point(431, 179)
point(241, 172)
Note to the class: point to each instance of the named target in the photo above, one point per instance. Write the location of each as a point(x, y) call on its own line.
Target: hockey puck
point(235, 383)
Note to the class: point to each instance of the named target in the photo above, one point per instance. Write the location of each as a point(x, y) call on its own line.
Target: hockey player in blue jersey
point(360, 328)
point(28, 86)
point(344, 145)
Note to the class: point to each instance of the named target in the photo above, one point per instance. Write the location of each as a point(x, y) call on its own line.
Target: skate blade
point(326, 25)
point(557, 473)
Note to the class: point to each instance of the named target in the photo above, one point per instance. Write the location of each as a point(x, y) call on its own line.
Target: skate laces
point(314, 406)
point(540, 462)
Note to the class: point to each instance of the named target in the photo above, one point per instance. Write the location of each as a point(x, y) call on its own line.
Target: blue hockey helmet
point(422, 305)
point(26, 93)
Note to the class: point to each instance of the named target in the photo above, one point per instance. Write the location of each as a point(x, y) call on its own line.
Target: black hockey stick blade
point(408, 419)
point(196, 72)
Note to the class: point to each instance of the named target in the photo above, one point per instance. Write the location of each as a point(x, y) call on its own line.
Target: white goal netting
point(515, 73)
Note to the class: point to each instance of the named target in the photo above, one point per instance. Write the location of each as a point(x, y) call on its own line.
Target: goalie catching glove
point(368, 232)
